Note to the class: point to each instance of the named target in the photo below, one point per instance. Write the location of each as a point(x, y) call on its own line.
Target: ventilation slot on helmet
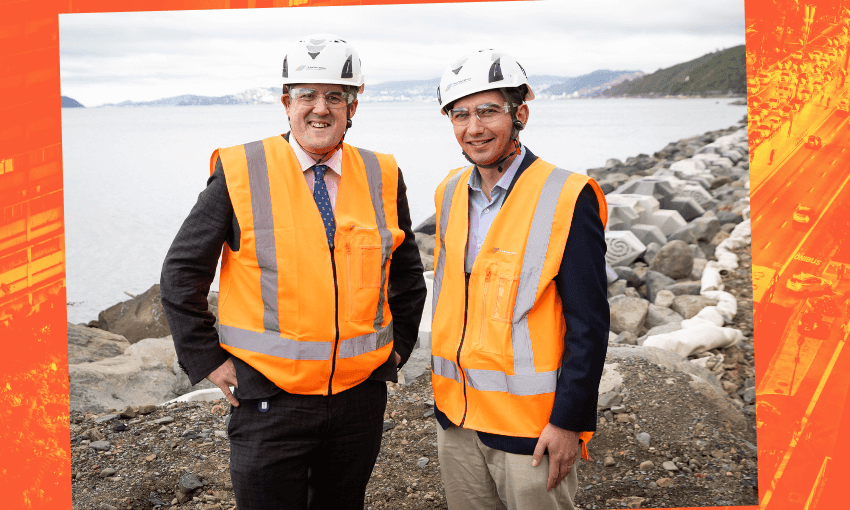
point(347, 69)
point(496, 71)
point(285, 68)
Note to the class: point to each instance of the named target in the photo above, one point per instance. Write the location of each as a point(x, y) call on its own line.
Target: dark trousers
point(306, 451)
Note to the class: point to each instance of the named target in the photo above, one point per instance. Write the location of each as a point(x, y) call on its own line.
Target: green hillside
point(712, 74)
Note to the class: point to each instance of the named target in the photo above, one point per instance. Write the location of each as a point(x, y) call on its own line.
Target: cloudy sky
point(108, 58)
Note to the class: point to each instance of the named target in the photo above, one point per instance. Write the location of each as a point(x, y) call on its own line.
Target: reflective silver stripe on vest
point(272, 344)
point(494, 380)
point(445, 368)
point(376, 191)
point(532, 266)
point(445, 209)
point(358, 345)
point(261, 208)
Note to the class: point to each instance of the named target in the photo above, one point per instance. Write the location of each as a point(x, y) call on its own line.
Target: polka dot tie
point(323, 200)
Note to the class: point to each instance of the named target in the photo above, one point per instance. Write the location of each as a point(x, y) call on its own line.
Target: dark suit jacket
point(583, 286)
point(189, 269)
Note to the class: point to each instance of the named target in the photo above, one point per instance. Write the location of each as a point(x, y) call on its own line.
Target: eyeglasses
point(486, 113)
point(333, 99)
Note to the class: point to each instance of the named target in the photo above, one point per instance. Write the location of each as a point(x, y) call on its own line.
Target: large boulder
point(674, 259)
point(428, 226)
point(87, 344)
point(627, 313)
point(425, 243)
point(136, 319)
point(146, 373)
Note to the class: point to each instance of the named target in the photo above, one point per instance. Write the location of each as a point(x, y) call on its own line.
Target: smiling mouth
point(479, 143)
point(318, 124)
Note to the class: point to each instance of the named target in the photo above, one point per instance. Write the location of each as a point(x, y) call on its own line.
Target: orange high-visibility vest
point(496, 371)
point(311, 320)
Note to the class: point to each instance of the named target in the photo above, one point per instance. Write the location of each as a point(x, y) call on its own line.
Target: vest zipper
point(336, 324)
point(459, 347)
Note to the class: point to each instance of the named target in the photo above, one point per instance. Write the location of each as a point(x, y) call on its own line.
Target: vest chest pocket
point(363, 260)
point(505, 298)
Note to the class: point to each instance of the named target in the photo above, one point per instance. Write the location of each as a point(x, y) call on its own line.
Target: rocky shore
point(676, 424)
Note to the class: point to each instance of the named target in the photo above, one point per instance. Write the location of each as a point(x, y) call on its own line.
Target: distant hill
point(716, 73)
point(544, 86)
point(67, 102)
point(590, 84)
point(250, 96)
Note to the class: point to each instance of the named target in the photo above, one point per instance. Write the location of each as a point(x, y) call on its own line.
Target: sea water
point(131, 175)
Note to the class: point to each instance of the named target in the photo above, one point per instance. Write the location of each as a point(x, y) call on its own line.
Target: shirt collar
point(507, 176)
point(306, 161)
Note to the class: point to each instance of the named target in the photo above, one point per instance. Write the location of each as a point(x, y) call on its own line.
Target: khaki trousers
point(477, 477)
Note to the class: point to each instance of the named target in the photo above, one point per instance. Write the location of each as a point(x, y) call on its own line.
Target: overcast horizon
point(114, 57)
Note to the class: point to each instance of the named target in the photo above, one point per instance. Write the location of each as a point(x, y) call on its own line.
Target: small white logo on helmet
point(450, 85)
point(310, 68)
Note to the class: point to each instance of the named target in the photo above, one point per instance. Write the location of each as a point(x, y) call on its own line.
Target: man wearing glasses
point(313, 317)
point(520, 310)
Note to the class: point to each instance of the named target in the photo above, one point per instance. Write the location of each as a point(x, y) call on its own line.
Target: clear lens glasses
point(333, 99)
point(486, 113)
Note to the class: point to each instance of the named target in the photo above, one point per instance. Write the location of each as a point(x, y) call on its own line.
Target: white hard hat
point(480, 71)
point(323, 58)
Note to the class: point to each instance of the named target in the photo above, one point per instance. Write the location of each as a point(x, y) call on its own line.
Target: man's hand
point(397, 358)
point(563, 451)
point(224, 377)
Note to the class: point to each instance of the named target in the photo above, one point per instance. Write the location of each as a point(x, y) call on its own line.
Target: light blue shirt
point(482, 212)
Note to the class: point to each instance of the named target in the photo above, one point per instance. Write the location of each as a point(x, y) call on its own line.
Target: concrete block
point(621, 216)
point(688, 166)
point(623, 247)
point(648, 234)
point(698, 193)
point(668, 221)
point(686, 206)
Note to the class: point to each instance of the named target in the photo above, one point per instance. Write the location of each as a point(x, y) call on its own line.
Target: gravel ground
point(178, 456)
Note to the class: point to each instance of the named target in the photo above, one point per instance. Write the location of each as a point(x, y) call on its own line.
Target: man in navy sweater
point(518, 347)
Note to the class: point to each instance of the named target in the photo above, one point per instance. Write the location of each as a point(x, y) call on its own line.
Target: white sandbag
point(711, 279)
point(708, 314)
point(727, 304)
point(685, 342)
